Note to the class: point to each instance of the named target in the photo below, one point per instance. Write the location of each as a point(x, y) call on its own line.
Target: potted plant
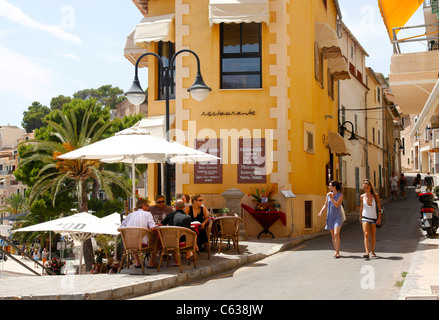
point(55, 265)
point(262, 196)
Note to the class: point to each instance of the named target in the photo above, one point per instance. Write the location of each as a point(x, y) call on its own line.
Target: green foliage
point(104, 208)
point(33, 117)
point(106, 95)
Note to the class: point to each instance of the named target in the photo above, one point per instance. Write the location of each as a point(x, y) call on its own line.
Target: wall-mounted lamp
point(353, 137)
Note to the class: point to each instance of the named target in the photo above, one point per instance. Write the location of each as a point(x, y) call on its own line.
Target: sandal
point(373, 255)
point(366, 256)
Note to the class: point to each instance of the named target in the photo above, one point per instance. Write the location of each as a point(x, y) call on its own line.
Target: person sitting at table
point(199, 213)
point(180, 219)
point(161, 209)
point(141, 218)
point(185, 197)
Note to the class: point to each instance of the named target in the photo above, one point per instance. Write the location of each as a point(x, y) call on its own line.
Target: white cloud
point(23, 77)
point(68, 55)
point(15, 14)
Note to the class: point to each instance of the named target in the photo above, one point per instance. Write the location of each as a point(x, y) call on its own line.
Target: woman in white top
point(369, 218)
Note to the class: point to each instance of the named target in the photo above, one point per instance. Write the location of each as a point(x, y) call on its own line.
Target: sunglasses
point(199, 200)
point(160, 202)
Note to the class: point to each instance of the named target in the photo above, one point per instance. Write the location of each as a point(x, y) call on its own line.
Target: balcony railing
point(432, 38)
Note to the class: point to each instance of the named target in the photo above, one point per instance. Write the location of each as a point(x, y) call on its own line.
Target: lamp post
point(136, 95)
point(353, 137)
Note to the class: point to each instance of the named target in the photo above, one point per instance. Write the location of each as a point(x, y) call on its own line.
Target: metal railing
point(48, 271)
point(432, 41)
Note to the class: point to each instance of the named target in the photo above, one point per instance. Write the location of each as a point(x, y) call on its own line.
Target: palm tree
point(16, 203)
point(58, 175)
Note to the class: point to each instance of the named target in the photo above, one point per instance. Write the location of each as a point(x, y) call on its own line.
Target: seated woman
point(199, 213)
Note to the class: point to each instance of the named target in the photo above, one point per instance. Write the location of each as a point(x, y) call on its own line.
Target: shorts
point(368, 220)
point(394, 187)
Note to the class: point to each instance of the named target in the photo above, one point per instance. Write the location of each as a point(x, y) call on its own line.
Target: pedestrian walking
point(394, 181)
point(334, 219)
point(428, 181)
point(418, 184)
point(36, 257)
point(44, 256)
point(403, 186)
point(370, 211)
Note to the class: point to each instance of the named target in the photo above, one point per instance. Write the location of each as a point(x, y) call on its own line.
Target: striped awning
point(133, 52)
point(154, 29)
point(327, 40)
point(339, 68)
point(337, 144)
point(238, 11)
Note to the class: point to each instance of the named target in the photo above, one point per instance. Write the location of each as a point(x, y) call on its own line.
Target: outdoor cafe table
point(266, 218)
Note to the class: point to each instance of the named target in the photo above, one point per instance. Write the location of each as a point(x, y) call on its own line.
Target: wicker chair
point(170, 240)
point(132, 242)
point(226, 228)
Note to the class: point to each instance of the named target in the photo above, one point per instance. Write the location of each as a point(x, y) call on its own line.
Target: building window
point(318, 64)
point(165, 50)
point(330, 84)
point(241, 56)
point(308, 214)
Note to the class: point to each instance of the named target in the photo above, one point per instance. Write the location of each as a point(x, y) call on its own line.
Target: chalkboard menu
point(251, 166)
point(212, 171)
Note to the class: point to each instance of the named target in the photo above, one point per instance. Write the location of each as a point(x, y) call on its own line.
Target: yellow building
point(273, 67)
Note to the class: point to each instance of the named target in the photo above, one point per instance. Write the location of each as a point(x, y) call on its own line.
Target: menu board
point(212, 171)
point(251, 166)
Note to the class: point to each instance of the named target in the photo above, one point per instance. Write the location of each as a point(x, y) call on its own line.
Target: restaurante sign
point(228, 113)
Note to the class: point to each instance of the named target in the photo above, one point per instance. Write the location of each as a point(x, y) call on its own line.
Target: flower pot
point(261, 206)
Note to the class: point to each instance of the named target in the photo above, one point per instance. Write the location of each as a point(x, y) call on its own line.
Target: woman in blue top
point(334, 218)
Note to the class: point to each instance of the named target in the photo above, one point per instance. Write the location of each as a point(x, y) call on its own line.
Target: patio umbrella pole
point(80, 257)
point(133, 178)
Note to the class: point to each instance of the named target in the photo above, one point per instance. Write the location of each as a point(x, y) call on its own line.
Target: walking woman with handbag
point(370, 210)
point(334, 219)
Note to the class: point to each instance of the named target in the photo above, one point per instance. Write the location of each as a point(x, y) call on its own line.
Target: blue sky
point(53, 47)
point(364, 19)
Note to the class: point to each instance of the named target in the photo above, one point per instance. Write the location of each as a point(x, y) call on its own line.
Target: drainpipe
point(365, 122)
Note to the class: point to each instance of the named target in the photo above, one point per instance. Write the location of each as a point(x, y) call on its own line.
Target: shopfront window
point(241, 62)
point(165, 50)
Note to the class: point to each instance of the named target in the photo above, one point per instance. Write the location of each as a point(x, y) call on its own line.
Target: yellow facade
point(290, 104)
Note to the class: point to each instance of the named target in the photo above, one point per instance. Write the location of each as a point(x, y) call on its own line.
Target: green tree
point(108, 95)
point(33, 117)
point(59, 102)
point(16, 203)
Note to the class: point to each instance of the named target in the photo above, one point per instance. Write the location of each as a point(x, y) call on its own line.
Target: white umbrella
point(136, 145)
point(81, 226)
point(114, 220)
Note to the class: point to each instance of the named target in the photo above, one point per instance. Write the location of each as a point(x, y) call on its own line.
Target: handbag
point(343, 215)
point(383, 216)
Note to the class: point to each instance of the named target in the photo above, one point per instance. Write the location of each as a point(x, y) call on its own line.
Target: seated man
point(141, 218)
point(161, 209)
point(178, 218)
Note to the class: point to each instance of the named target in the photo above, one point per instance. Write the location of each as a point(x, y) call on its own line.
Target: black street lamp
point(136, 95)
point(353, 137)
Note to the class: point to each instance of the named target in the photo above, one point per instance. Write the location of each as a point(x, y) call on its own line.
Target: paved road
point(310, 272)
